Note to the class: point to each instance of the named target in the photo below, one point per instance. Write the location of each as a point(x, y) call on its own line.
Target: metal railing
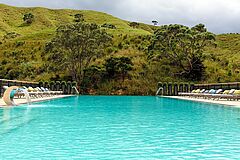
point(172, 89)
point(67, 88)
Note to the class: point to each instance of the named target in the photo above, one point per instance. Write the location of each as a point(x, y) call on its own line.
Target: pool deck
point(23, 100)
point(222, 101)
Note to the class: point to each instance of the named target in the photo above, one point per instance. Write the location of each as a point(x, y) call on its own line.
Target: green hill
point(223, 62)
point(30, 40)
point(22, 49)
point(46, 21)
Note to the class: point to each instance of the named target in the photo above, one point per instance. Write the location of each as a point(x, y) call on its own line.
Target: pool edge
point(235, 104)
point(23, 101)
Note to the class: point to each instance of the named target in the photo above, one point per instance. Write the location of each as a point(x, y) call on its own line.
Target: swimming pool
point(120, 127)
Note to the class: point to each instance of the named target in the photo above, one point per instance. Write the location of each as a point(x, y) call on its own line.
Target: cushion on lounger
point(5, 87)
point(231, 91)
point(193, 91)
point(36, 90)
point(206, 91)
point(237, 92)
point(219, 91)
point(30, 89)
point(212, 91)
point(226, 92)
point(197, 91)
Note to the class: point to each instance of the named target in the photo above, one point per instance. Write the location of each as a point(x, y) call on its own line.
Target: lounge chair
point(216, 94)
point(207, 94)
point(236, 95)
point(227, 94)
point(189, 94)
point(34, 92)
point(199, 94)
point(233, 95)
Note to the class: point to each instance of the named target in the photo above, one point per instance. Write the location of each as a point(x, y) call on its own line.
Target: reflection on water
point(13, 118)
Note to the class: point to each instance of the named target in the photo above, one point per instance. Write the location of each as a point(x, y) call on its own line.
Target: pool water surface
point(119, 127)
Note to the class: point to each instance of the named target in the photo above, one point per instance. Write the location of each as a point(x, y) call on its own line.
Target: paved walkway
point(23, 100)
point(221, 101)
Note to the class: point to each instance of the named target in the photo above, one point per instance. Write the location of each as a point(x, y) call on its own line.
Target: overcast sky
point(220, 16)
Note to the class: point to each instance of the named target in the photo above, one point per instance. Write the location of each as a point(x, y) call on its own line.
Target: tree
point(155, 22)
point(28, 18)
point(183, 46)
point(134, 24)
point(118, 66)
point(78, 18)
point(92, 76)
point(75, 46)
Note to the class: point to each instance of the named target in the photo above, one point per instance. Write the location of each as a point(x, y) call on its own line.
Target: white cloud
point(218, 15)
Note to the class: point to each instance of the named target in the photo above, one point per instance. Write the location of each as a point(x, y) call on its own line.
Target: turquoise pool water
point(120, 127)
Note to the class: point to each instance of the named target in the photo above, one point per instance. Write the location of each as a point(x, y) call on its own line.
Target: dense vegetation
point(25, 33)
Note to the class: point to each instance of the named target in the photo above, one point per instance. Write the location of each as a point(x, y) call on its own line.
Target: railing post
point(180, 87)
point(1, 88)
point(175, 91)
point(164, 89)
point(169, 89)
point(63, 86)
point(52, 85)
point(69, 87)
point(74, 84)
point(192, 87)
point(57, 85)
point(186, 88)
point(159, 85)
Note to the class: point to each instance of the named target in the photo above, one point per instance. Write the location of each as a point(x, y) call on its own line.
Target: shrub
point(11, 35)
point(28, 18)
point(110, 26)
point(78, 18)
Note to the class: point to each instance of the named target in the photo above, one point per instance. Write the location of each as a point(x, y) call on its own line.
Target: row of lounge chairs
point(213, 94)
point(37, 92)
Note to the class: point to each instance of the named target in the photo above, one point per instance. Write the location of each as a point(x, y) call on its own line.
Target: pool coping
point(34, 100)
point(220, 102)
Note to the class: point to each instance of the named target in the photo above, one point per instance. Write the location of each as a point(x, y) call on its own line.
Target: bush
point(19, 43)
point(11, 35)
point(28, 18)
point(78, 18)
point(110, 26)
point(134, 24)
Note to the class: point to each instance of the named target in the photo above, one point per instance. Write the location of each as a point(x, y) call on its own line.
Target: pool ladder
point(159, 89)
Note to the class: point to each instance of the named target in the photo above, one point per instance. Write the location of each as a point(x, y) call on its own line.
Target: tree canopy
point(75, 46)
point(134, 24)
point(78, 18)
point(118, 66)
point(155, 22)
point(28, 18)
point(183, 46)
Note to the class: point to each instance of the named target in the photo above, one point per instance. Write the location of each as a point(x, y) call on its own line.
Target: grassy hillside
point(30, 40)
point(46, 21)
point(223, 62)
point(22, 49)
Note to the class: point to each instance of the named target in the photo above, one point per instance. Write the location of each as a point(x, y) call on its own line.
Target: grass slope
point(31, 39)
point(47, 20)
point(223, 62)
